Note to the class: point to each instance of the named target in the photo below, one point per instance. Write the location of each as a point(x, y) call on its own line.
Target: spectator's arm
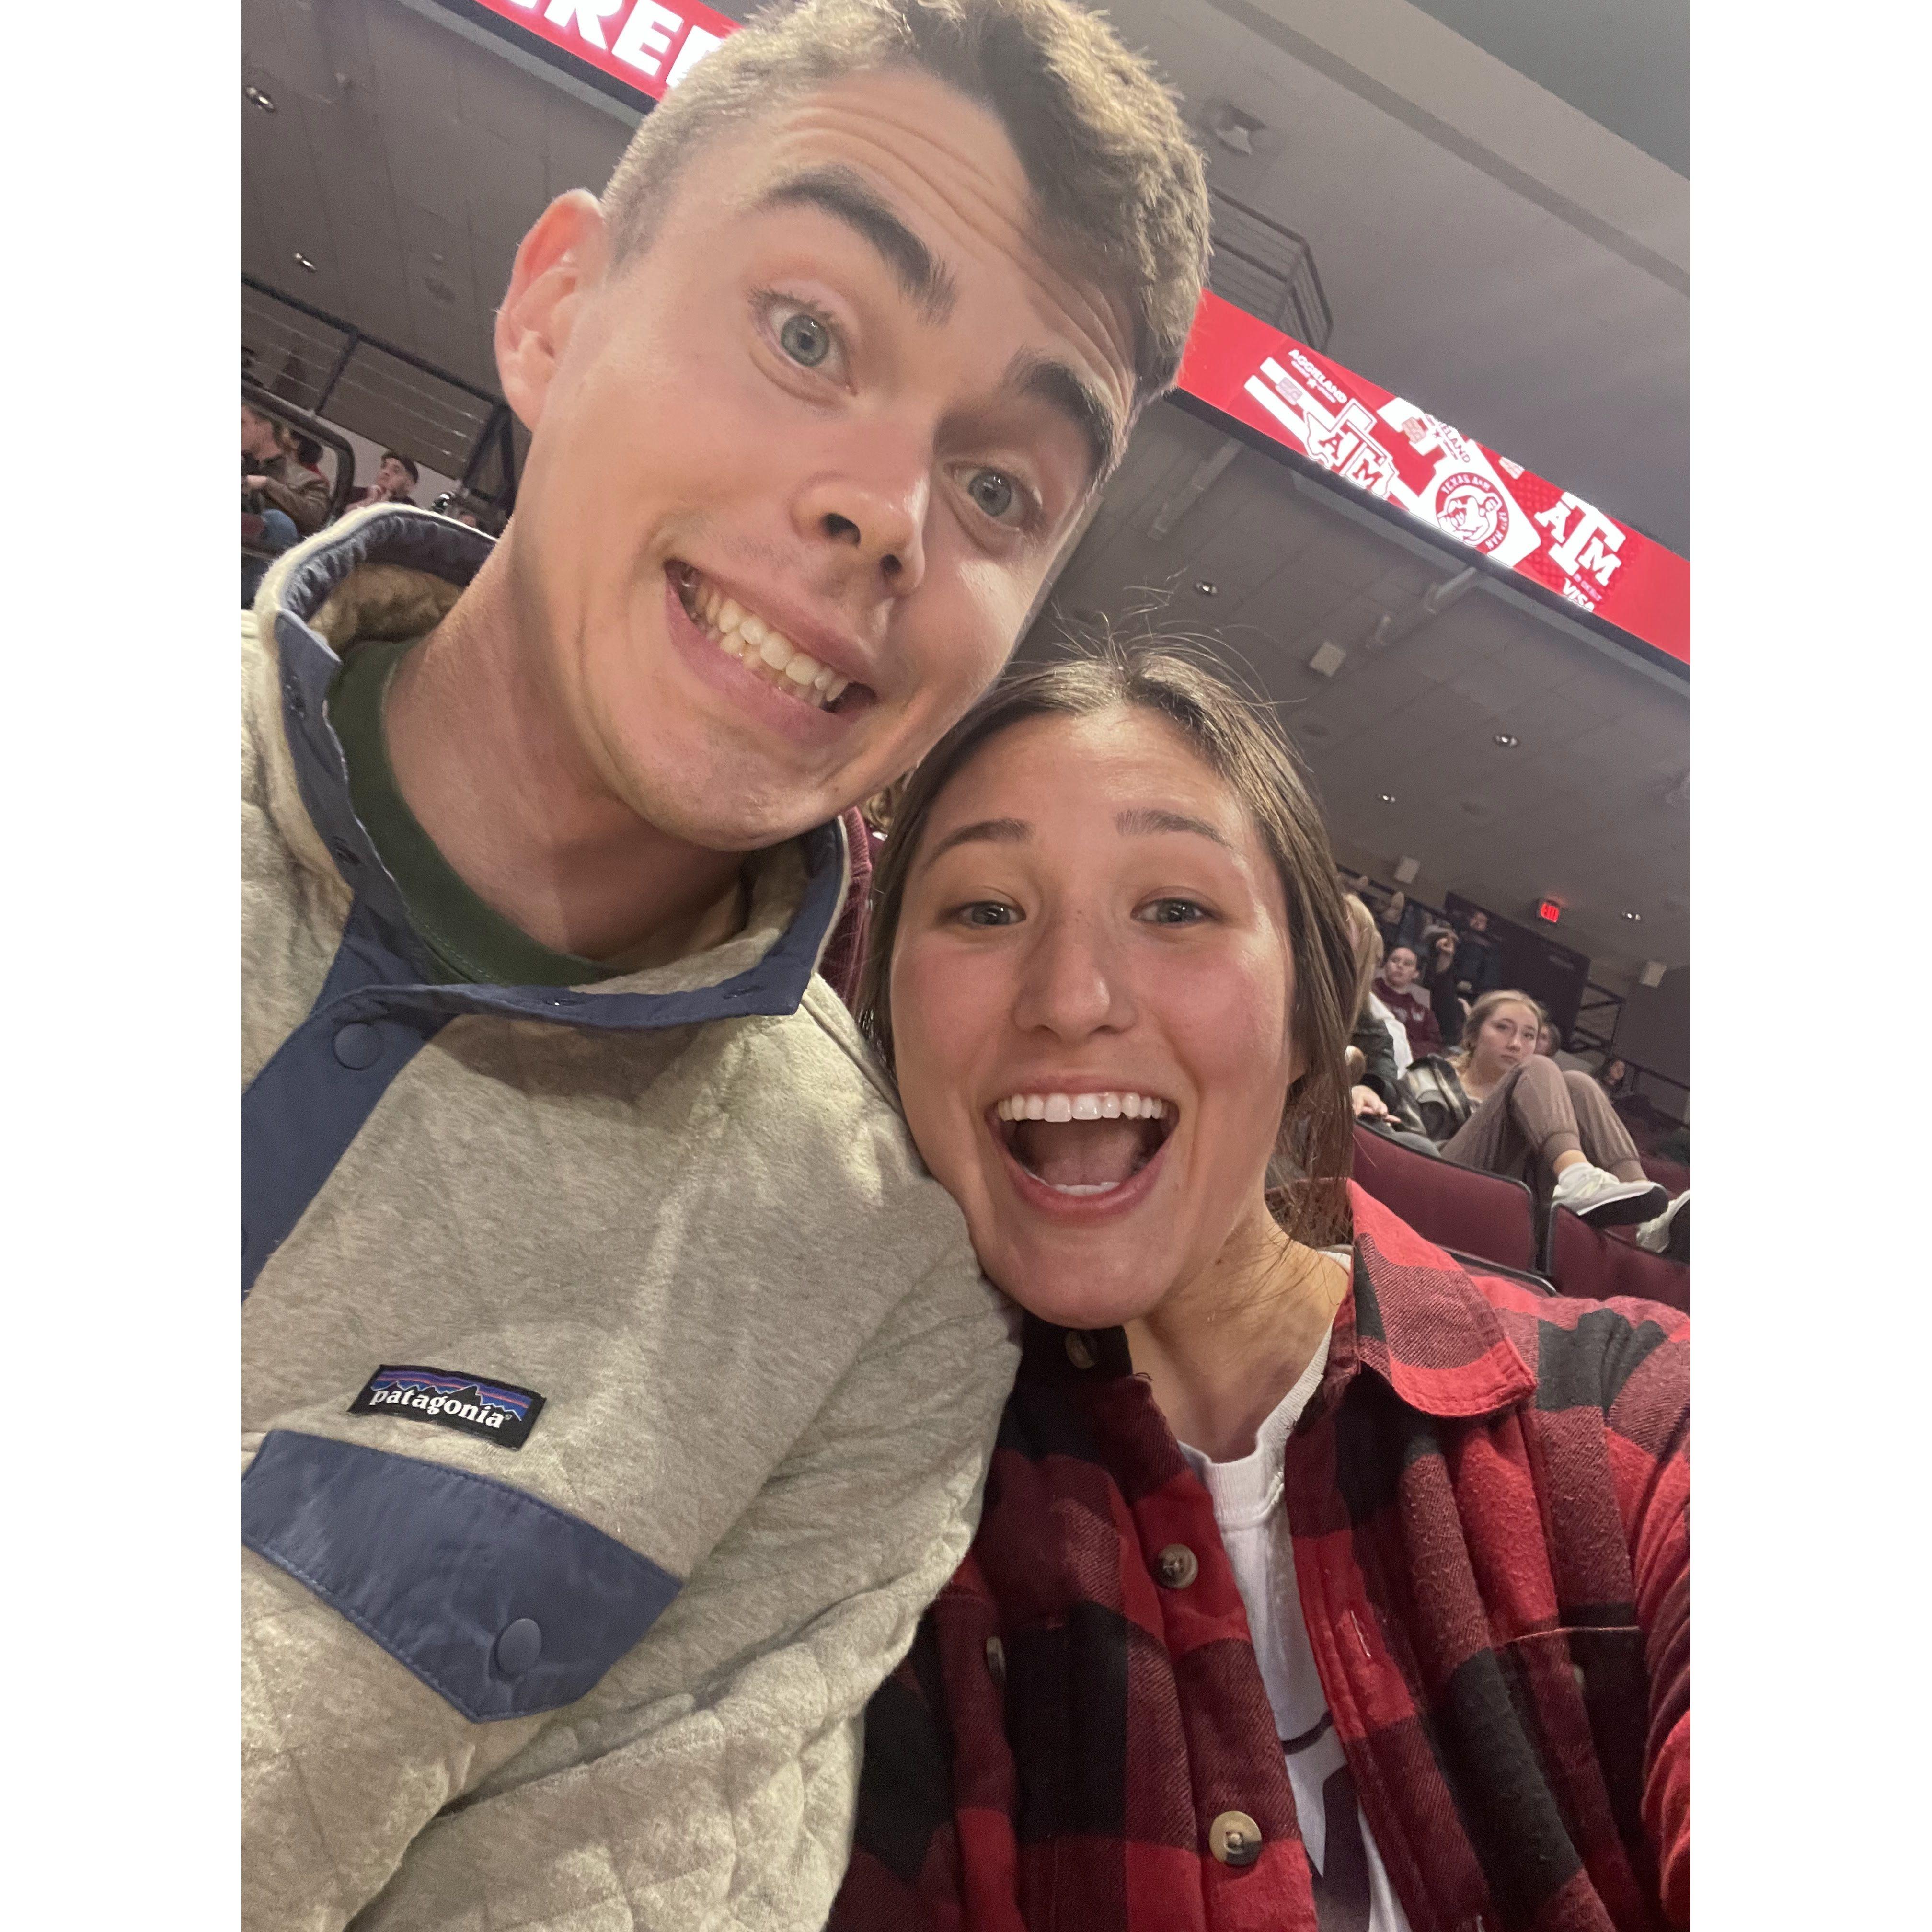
point(305, 503)
point(716, 1785)
point(1380, 1075)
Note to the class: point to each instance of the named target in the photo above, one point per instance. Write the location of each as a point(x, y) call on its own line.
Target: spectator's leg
point(1494, 1138)
point(1606, 1140)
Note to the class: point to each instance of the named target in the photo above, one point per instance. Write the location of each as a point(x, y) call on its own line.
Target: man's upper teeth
point(742, 634)
point(1081, 1107)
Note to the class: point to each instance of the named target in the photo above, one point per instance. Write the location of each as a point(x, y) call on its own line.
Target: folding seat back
point(1585, 1261)
point(1486, 1215)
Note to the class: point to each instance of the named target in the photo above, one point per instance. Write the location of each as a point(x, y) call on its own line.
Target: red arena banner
point(1238, 367)
point(642, 43)
point(1399, 454)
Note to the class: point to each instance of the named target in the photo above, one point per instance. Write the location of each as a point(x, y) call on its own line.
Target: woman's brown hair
point(1238, 739)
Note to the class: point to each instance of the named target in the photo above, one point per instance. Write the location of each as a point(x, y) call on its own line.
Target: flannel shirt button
point(1235, 1839)
point(1177, 1566)
point(996, 1660)
point(1079, 1350)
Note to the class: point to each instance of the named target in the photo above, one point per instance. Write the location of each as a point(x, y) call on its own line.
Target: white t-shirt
point(1351, 1888)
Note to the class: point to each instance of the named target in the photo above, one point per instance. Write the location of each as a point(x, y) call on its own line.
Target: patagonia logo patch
point(495, 1411)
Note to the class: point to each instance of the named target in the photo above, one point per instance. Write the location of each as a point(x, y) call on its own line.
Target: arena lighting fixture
point(1635, 918)
point(303, 262)
point(1388, 798)
point(1508, 740)
point(265, 102)
point(1206, 587)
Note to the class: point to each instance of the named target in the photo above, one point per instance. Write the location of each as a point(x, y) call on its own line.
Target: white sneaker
point(1601, 1199)
point(1669, 1234)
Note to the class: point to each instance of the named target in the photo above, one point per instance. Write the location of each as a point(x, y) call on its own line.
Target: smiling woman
point(1310, 1578)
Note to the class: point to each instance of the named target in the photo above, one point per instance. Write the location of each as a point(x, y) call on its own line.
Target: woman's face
point(1505, 1040)
point(1094, 939)
point(1399, 969)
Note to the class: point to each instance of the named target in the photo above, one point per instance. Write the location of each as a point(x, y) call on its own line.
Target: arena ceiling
point(1488, 249)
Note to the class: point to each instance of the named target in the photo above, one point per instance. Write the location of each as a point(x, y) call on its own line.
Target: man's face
point(391, 478)
point(258, 435)
point(798, 468)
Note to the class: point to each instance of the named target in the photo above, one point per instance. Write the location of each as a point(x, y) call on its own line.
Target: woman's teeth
point(1081, 1107)
point(758, 646)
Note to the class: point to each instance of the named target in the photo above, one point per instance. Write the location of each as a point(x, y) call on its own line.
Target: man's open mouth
point(762, 648)
point(1085, 1143)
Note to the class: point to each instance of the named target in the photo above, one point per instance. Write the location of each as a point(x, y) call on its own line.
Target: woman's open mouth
point(1083, 1147)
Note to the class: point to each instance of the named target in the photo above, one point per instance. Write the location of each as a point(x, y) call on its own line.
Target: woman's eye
point(1173, 912)
point(987, 912)
point(804, 338)
point(995, 492)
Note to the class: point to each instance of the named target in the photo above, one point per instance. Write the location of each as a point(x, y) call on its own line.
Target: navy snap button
point(519, 1647)
point(358, 1045)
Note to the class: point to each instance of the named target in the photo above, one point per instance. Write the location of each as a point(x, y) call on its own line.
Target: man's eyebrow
point(1144, 819)
point(846, 195)
point(1033, 374)
point(985, 831)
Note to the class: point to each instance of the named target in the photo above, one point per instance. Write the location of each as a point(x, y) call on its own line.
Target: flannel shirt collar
point(1413, 1317)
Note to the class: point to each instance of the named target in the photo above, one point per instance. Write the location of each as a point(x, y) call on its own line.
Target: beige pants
point(1536, 1112)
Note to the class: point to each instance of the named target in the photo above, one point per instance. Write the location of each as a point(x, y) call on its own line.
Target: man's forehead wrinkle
point(844, 192)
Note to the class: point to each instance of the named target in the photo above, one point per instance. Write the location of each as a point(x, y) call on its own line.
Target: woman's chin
point(1073, 1298)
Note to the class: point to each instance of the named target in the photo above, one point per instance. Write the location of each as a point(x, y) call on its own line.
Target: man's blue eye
point(804, 339)
point(992, 492)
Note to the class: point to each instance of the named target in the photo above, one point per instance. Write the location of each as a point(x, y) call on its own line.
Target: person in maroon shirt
point(1398, 986)
point(1321, 1583)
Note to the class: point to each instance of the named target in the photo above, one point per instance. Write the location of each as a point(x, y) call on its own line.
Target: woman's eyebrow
point(1144, 819)
point(984, 831)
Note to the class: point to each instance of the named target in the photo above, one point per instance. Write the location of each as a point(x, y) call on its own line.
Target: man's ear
point(559, 263)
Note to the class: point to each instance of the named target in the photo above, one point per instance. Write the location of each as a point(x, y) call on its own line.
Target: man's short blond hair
point(1118, 184)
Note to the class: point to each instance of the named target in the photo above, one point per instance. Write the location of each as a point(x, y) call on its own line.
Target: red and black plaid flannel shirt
point(1488, 1495)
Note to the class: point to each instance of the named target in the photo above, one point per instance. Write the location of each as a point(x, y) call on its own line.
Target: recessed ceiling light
point(265, 102)
point(1205, 587)
point(1508, 740)
point(1388, 798)
point(1634, 917)
point(303, 262)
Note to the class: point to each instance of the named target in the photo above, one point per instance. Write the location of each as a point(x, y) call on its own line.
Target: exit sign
point(1548, 910)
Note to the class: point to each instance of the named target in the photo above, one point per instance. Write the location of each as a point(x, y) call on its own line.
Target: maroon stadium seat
point(1486, 1215)
point(1584, 1261)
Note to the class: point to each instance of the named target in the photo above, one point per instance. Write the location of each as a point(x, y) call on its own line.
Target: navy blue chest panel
point(503, 1605)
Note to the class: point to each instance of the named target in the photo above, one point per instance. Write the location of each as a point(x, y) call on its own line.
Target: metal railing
point(304, 356)
point(1268, 270)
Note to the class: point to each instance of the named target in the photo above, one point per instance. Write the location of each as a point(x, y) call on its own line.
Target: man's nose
point(870, 505)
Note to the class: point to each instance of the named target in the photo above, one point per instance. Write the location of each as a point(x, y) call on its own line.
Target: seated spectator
point(1496, 1105)
point(396, 477)
point(281, 501)
point(1548, 1038)
point(1392, 918)
point(1478, 965)
point(1376, 1091)
point(1398, 987)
